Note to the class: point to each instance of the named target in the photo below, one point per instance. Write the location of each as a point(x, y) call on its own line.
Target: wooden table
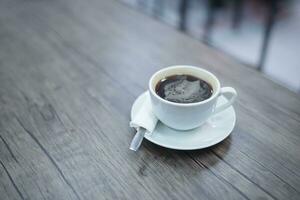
point(69, 73)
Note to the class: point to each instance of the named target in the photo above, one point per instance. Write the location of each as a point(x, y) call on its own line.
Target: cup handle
point(233, 94)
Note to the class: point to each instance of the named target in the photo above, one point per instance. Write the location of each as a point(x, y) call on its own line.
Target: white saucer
point(216, 129)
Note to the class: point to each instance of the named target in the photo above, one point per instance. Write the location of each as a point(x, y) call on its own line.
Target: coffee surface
point(183, 89)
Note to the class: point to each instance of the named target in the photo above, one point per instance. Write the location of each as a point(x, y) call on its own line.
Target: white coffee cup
point(185, 116)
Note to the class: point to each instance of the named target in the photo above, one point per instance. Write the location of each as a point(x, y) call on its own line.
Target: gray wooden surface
point(69, 73)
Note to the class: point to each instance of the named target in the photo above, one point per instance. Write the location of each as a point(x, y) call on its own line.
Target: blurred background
point(263, 34)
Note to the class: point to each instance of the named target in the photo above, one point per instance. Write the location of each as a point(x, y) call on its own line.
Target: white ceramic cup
point(185, 116)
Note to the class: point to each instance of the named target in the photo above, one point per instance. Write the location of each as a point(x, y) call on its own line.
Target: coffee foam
point(186, 91)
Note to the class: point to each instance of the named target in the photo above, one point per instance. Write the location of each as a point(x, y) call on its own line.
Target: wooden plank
point(122, 64)
point(279, 141)
point(70, 136)
point(8, 188)
point(32, 174)
point(232, 176)
point(72, 43)
point(84, 154)
point(65, 87)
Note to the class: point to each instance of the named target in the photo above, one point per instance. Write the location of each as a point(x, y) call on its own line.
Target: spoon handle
point(137, 140)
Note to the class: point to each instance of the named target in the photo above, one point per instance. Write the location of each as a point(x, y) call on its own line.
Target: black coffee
point(183, 89)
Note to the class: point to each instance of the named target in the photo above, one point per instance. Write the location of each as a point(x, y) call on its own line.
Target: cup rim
point(215, 94)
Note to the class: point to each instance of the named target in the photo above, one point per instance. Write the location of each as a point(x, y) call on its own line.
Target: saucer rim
point(214, 142)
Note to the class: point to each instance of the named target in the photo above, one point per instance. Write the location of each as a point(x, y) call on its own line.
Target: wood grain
point(69, 72)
